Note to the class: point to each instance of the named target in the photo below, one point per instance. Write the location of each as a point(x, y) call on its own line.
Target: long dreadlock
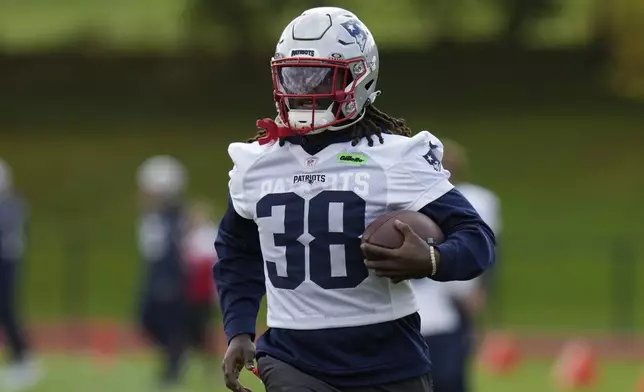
point(374, 123)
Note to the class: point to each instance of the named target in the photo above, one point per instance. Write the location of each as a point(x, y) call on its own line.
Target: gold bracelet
point(432, 258)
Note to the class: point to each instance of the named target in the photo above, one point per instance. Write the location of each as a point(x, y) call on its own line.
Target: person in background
point(162, 181)
point(21, 372)
point(200, 257)
point(448, 309)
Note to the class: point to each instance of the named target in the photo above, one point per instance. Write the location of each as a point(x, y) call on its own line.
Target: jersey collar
point(313, 144)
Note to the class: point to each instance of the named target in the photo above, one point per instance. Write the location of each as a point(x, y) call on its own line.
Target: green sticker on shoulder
point(352, 158)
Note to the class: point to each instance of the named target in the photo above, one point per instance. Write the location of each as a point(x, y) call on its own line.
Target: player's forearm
point(464, 255)
point(240, 317)
point(469, 246)
point(240, 304)
point(239, 274)
point(240, 293)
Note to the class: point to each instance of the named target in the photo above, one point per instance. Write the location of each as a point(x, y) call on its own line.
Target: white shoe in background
point(20, 376)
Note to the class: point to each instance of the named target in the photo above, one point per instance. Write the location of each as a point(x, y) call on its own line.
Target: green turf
point(76, 374)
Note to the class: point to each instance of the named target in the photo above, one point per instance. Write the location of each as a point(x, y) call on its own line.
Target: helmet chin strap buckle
point(373, 96)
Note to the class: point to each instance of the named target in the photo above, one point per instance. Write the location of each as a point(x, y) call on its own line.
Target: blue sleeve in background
point(13, 220)
point(239, 273)
point(469, 247)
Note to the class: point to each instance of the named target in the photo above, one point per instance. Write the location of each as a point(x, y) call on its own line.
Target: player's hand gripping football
point(240, 354)
point(410, 261)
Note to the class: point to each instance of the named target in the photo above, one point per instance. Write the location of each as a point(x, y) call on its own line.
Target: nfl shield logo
point(311, 162)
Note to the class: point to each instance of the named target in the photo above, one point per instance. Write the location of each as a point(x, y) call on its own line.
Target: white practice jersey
point(485, 202)
point(438, 313)
point(311, 212)
point(199, 242)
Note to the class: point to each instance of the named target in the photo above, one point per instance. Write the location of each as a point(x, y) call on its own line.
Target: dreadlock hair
point(374, 123)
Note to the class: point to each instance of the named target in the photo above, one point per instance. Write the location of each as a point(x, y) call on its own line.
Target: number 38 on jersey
point(324, 230)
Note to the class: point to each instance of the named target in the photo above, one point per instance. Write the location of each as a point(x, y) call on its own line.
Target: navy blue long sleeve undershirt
point(469, 248)
point(239, 273)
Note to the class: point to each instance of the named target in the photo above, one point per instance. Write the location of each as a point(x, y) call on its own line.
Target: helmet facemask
point(313, 95)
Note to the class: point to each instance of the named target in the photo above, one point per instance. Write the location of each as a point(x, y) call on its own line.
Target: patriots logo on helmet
point(431, 157)
point(356, 30)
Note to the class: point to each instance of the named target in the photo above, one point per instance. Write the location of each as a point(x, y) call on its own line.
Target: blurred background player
point(21, 372)
point(448, 309)
point(200, 257)
point(162, 181)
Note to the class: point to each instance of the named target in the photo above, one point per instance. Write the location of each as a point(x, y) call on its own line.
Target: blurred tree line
point(611, 29)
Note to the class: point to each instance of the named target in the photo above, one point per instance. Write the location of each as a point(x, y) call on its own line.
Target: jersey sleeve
point(239, 271)
point(244, 156)
point(417, 177)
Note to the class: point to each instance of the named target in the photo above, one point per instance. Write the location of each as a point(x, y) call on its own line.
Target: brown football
point(382, 231)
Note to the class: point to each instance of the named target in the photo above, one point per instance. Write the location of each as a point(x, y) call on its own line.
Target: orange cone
point(499, 354)
point(576, 366)
point(640, 384)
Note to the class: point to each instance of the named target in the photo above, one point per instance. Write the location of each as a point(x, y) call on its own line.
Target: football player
point(200, 256)
point(448, 309)
point(22, 373)
point(161, 181)
point(342, 315)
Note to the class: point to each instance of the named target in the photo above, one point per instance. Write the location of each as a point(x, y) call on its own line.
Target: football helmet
point(162, 175)
point(325, 70)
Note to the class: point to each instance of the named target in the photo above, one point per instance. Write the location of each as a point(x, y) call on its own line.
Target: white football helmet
point(162, 175)
point(325, 70)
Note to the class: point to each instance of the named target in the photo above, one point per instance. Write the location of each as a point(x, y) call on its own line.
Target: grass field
point(136, 374)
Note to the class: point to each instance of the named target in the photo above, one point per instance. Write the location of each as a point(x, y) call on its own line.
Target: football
point(383, 232)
